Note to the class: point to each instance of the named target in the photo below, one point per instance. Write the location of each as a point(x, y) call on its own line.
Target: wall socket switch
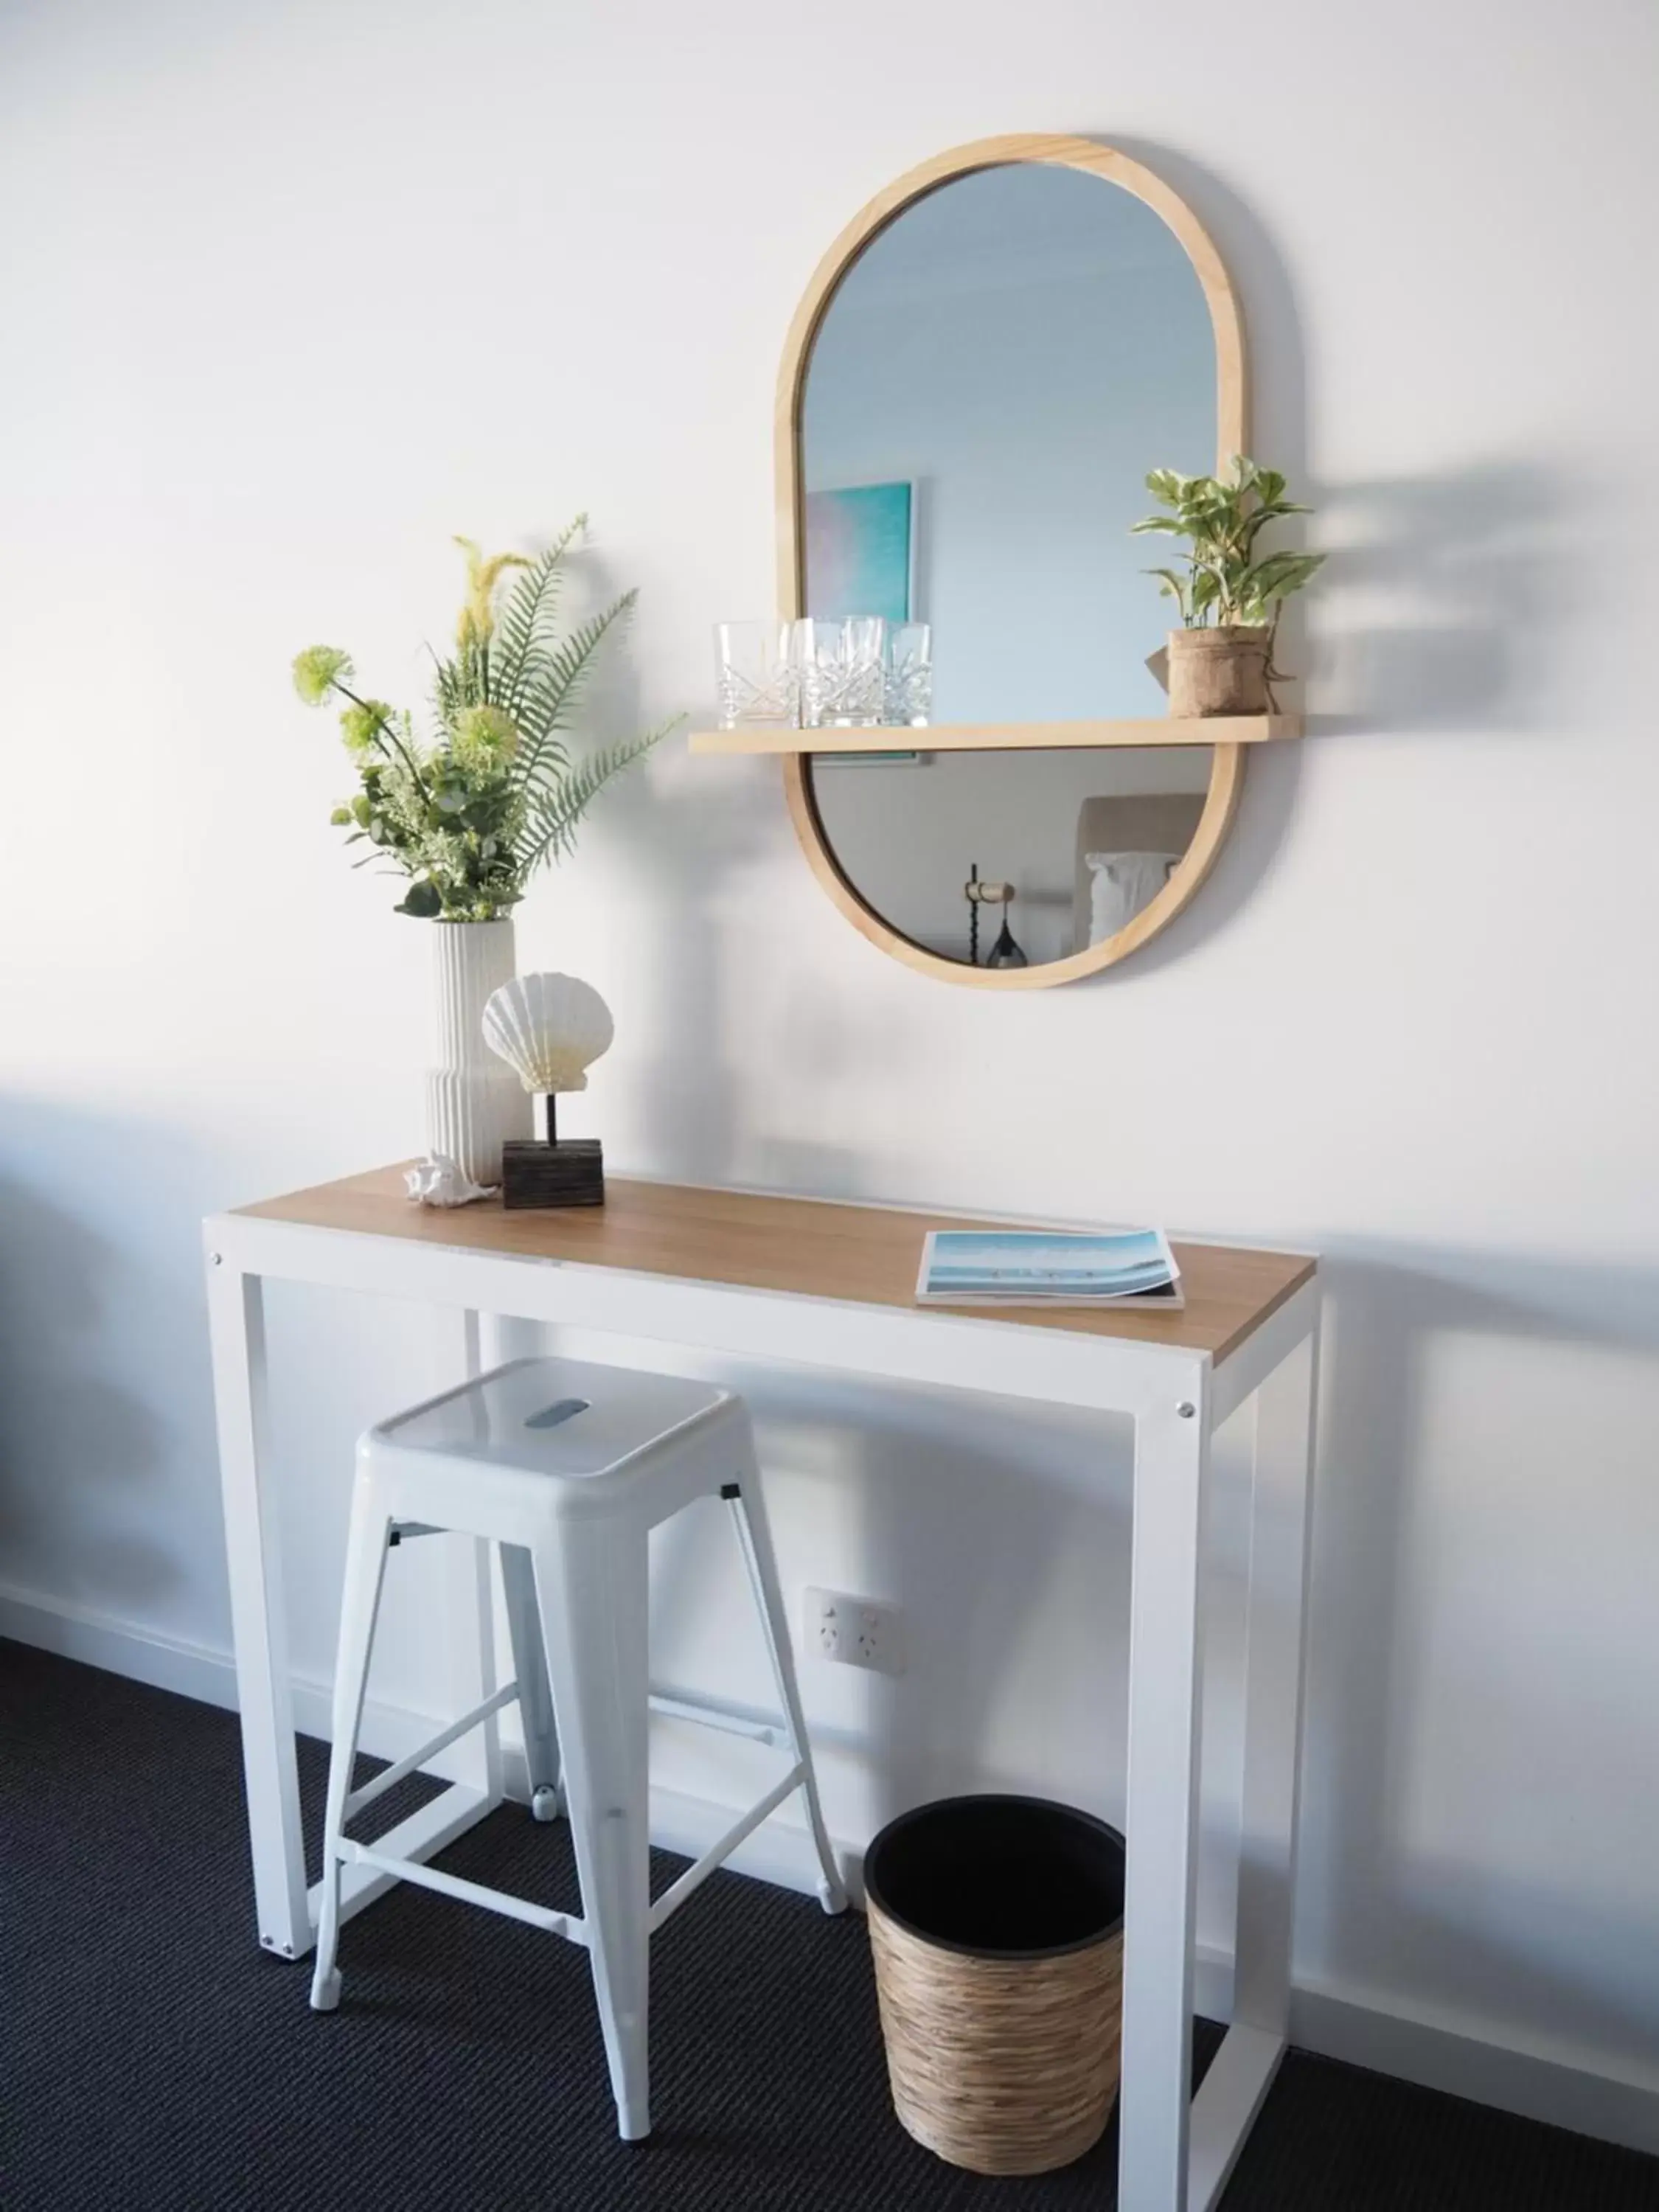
point(855, 1630)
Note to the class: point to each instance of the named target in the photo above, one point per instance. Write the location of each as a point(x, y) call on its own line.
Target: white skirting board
point(1364, 2028)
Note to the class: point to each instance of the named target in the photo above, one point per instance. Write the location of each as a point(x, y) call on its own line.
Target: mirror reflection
point(991, 382)
point(1083, 838)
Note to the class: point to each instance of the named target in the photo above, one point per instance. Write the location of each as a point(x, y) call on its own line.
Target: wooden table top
point(813, 1248)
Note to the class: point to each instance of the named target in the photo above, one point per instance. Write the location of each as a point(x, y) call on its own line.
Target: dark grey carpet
point(152, 2059)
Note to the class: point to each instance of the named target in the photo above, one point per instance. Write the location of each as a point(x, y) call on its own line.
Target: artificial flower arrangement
point(469, 814)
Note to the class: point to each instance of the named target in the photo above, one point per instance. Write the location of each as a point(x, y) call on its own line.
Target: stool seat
point(564, 1418)
point(567, 1465)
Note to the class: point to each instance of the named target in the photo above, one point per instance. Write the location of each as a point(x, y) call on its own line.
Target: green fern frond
point(526, 612)
point(554, 683)
point(447, 693)
point(461, 681)
point(527, 616)
point(570, 665)
point(558, 808)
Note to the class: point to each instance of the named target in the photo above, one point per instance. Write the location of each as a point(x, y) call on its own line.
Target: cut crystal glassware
point(907, 692)
point(757, 675)
point(843, 671)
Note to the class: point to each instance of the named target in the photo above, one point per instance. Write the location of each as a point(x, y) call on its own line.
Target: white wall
point(294, 293)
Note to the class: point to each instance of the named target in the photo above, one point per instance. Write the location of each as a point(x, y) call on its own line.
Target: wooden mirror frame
point(1227, 761)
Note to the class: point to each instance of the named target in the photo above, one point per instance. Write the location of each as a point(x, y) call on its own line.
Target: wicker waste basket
point(997, 1925)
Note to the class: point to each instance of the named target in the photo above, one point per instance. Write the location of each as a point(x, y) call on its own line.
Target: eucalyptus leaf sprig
point(470, 816)
point(1221, 517)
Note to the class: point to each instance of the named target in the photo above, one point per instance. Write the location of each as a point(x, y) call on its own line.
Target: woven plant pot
point(997, 1927)
point(1219, 672)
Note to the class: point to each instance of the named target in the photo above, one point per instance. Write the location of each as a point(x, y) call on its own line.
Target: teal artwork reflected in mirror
point(860, 551)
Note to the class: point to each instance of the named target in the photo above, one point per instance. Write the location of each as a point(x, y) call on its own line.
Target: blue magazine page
point(1022, 1267)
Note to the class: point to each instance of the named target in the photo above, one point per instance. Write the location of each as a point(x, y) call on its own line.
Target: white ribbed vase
point(474, 1102)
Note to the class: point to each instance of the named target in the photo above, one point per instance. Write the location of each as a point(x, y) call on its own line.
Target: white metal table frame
point(1176, 2150)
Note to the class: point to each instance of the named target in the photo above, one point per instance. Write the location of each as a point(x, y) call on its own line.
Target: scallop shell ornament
point(549, 1028)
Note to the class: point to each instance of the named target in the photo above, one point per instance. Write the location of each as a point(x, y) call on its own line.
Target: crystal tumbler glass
point(757, 675)
point(843, 667)
point(907, 688)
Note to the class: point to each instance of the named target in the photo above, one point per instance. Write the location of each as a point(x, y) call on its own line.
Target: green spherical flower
point(316, 669)
point(485, 737)
point(360, 725)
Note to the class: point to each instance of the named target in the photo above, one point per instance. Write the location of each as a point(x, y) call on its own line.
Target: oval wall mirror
point(986, 363)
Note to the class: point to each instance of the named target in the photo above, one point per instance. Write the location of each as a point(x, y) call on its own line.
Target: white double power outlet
point(855, 1631)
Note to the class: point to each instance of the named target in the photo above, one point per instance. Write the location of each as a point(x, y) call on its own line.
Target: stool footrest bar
point(774, 1733)
point(567, 1925)
point(404, 1767)
point(695, 1876)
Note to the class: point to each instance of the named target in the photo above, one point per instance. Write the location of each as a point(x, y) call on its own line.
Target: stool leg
point(365, 1573)
point(541, 1741)
point(755, 1538)
point(591, 1581)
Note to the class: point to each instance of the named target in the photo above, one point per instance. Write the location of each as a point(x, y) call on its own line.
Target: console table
point(824, 1285)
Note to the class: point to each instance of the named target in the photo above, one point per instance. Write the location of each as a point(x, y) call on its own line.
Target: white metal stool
point(568, 1467)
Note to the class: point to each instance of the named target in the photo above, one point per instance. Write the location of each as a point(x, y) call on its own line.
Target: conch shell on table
point(437, 1180)
point(548, 1028)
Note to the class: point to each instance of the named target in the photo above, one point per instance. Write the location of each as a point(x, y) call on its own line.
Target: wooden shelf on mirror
point(1006, 736)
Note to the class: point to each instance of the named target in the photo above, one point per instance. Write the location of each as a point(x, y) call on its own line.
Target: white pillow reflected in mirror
point(1120, 885)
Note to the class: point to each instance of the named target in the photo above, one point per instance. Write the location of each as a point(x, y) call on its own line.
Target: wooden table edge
point(283, 1209)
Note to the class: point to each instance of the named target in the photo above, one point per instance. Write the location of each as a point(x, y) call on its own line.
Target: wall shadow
point(1394, 1912)
point(104, 1389)
point(1459, 579)
point(1006, 1548)
point(680, 841)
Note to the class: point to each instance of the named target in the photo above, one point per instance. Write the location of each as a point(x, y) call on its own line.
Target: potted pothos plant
point(470, 811)
point(1230, 592)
